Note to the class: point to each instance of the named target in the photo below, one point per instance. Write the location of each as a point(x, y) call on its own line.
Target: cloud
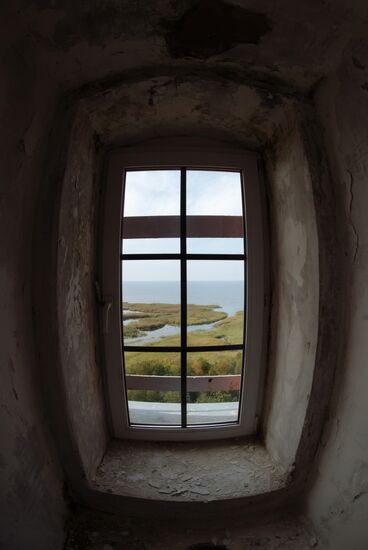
point(213, 193)
point(152, 193)
point(157, 193)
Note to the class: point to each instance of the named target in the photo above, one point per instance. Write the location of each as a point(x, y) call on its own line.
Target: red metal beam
point(155, 227)
point(194, 383)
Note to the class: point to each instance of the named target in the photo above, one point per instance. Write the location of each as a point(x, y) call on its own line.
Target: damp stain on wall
point(210, 28)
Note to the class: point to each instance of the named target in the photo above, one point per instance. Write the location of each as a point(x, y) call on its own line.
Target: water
point(227, 295)
point(167, 330)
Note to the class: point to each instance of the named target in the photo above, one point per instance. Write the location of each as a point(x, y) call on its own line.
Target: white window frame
point(193, 155)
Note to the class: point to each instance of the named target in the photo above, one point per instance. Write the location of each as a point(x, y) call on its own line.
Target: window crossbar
point(180, 256)
point(178, 349)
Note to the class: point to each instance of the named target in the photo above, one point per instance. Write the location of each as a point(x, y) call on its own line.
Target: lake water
point(227, 295)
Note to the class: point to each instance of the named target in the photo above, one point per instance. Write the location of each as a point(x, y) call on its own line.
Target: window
point(183, 289)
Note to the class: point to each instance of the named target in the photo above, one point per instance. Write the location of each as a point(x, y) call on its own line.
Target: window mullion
point(245, 243)
point(183, 293)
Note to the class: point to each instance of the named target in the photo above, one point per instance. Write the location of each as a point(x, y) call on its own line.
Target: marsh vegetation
point(143, 318)
point(148, 317)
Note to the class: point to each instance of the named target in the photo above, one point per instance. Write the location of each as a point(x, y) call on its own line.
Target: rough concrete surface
point(32, 507)
point(77, 306)
point(81, 42)
point(149, 106)
point(94, 531)
point(139, 70)
point(188, 472)
point(296, 296)
point(338, 502)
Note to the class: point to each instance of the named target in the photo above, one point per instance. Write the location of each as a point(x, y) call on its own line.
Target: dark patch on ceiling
point(357, 63)
point(211, 27)
point(208, 546)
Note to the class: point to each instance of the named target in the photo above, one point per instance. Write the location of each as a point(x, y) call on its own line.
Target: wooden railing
point(194, 383)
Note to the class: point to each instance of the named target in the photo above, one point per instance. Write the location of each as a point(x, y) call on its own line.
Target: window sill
point(188, 472)
point(169, 413)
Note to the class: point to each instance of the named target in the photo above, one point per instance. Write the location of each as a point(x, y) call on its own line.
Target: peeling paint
point(209, 28)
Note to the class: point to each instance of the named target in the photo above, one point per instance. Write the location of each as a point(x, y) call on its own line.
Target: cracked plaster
point(50, 47)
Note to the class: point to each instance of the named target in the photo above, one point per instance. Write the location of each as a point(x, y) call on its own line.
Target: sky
point(157, 193)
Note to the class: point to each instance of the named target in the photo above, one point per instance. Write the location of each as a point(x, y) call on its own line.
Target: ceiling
point(293, 43)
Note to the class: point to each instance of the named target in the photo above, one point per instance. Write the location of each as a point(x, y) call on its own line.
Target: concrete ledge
point(188, 472)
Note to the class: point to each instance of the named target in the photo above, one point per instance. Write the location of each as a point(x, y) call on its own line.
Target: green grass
point(148, 317)
point(226, 332)
point(199, 363)
point(132, 332)
point(229, 330)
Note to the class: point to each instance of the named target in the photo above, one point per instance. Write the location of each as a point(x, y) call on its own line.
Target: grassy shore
point(228, 330)
point(148, 317)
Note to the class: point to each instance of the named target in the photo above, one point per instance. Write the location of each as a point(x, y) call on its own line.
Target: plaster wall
point(77, 298)
point(295, 294)
point(65, 256)
point(32, 506)
point(338, 500)
point(66, 310)
point(205, 97)
point(133, 111)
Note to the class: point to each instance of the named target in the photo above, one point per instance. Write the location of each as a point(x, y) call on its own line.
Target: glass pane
point(154, 197)
point(213, 193)
point(214, 382)
point(152, 193)
point(151, 246)
point(215, 302)
point(151, 302)
point(215, 246)
point(153, 387)
point(215, 212)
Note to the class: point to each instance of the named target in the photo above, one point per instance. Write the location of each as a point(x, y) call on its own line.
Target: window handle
point(107, 307)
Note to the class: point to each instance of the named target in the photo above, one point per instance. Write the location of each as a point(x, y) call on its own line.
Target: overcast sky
point(157, 193)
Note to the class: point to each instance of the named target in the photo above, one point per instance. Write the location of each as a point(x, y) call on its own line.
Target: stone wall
point(338, 501)
point(33, 509)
